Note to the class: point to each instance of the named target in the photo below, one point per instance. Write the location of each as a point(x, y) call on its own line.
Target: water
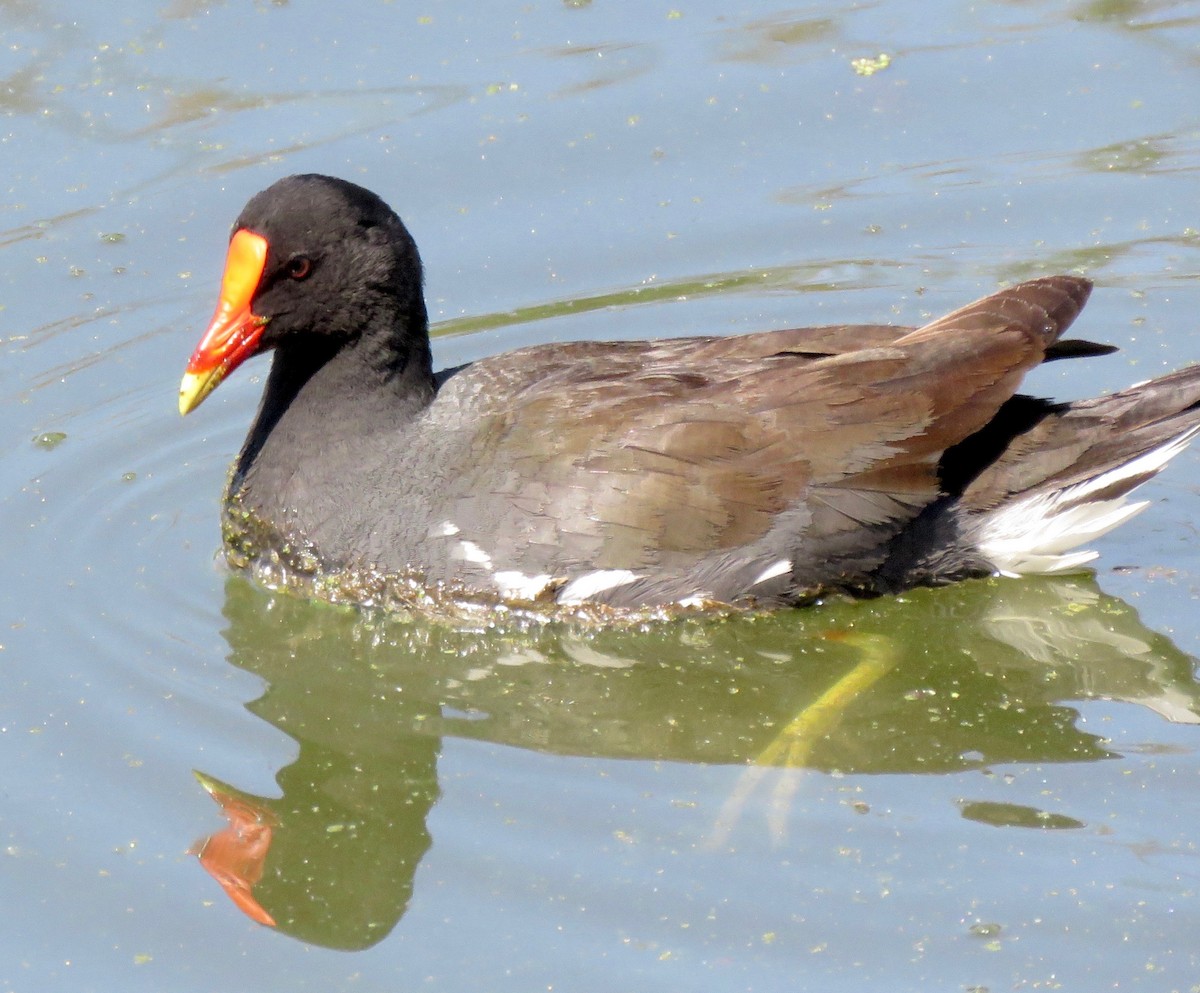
point(989, 786)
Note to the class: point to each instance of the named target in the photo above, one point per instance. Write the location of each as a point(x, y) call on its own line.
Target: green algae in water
point(49, 440)
point(1016, 815)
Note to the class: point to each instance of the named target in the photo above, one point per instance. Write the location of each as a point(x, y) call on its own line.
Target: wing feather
point(673, 456)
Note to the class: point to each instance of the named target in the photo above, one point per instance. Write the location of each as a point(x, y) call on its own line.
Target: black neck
point(335, 388)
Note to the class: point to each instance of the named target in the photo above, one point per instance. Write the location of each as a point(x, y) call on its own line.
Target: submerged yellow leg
point(792, 746)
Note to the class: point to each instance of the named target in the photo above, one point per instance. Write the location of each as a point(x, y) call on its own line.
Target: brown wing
point(712, 456)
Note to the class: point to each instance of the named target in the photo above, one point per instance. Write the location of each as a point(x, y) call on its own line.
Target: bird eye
point(299, 266)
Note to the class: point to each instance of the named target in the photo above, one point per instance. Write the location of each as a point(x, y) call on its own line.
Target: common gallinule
point(756, 469)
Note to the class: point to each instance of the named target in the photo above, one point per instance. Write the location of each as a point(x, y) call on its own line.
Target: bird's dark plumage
point(764, 468)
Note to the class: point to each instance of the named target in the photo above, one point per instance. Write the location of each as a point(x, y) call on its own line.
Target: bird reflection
point(936, 681)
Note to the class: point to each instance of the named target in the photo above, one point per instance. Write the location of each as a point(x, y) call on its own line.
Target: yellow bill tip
point(195, 386)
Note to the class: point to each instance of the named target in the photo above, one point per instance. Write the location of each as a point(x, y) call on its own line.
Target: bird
point(755, 470)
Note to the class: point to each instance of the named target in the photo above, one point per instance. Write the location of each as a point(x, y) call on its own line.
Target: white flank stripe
point(447, 529)
point(471, 552)
point(589, 584)
point(780, 568)
point(515, 585)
